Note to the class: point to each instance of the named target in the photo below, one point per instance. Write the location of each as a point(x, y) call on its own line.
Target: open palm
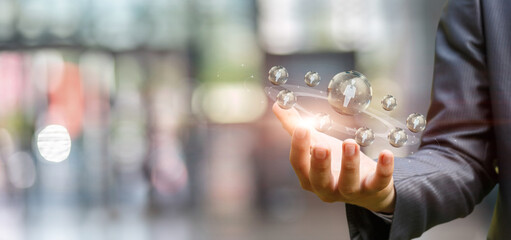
point(337, 170)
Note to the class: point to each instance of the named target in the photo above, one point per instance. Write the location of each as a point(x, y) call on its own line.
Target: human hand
point(338, 171)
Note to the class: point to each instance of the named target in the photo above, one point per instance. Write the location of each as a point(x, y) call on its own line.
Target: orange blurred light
point(65, 98)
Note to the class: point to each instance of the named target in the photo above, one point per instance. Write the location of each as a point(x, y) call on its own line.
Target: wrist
point(386, 203)
point(389, 203)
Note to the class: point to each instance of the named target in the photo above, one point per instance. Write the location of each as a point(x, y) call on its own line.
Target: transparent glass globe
point(389, 102)
point(322, 122)
point(278, 75)
point(349, 93)
point(416, 122)
point(286, 99)
point(312, 79)
point(364, 136)
point(397, 137)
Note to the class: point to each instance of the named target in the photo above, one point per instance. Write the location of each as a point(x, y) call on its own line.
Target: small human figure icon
point(397, 138)
point(278, 74)
point(364, 137)
point(416, 122)
point(349, 93)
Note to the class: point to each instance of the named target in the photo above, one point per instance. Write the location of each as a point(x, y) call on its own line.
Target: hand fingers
point(382, 177)
point(320, 175)
point(289, 118)
point(300, 155)
point(349, 179)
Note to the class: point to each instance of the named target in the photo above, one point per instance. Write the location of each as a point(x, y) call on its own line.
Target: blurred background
point(162, 105)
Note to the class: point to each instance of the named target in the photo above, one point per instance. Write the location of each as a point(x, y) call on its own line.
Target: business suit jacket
point(468, 136)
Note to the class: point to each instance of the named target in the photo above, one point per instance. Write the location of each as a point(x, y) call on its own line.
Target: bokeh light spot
point(54, 143)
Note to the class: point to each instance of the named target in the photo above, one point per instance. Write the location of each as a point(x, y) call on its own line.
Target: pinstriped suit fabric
point(469, 127)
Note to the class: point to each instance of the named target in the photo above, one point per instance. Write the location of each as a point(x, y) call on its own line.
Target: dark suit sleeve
point(453, 169)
